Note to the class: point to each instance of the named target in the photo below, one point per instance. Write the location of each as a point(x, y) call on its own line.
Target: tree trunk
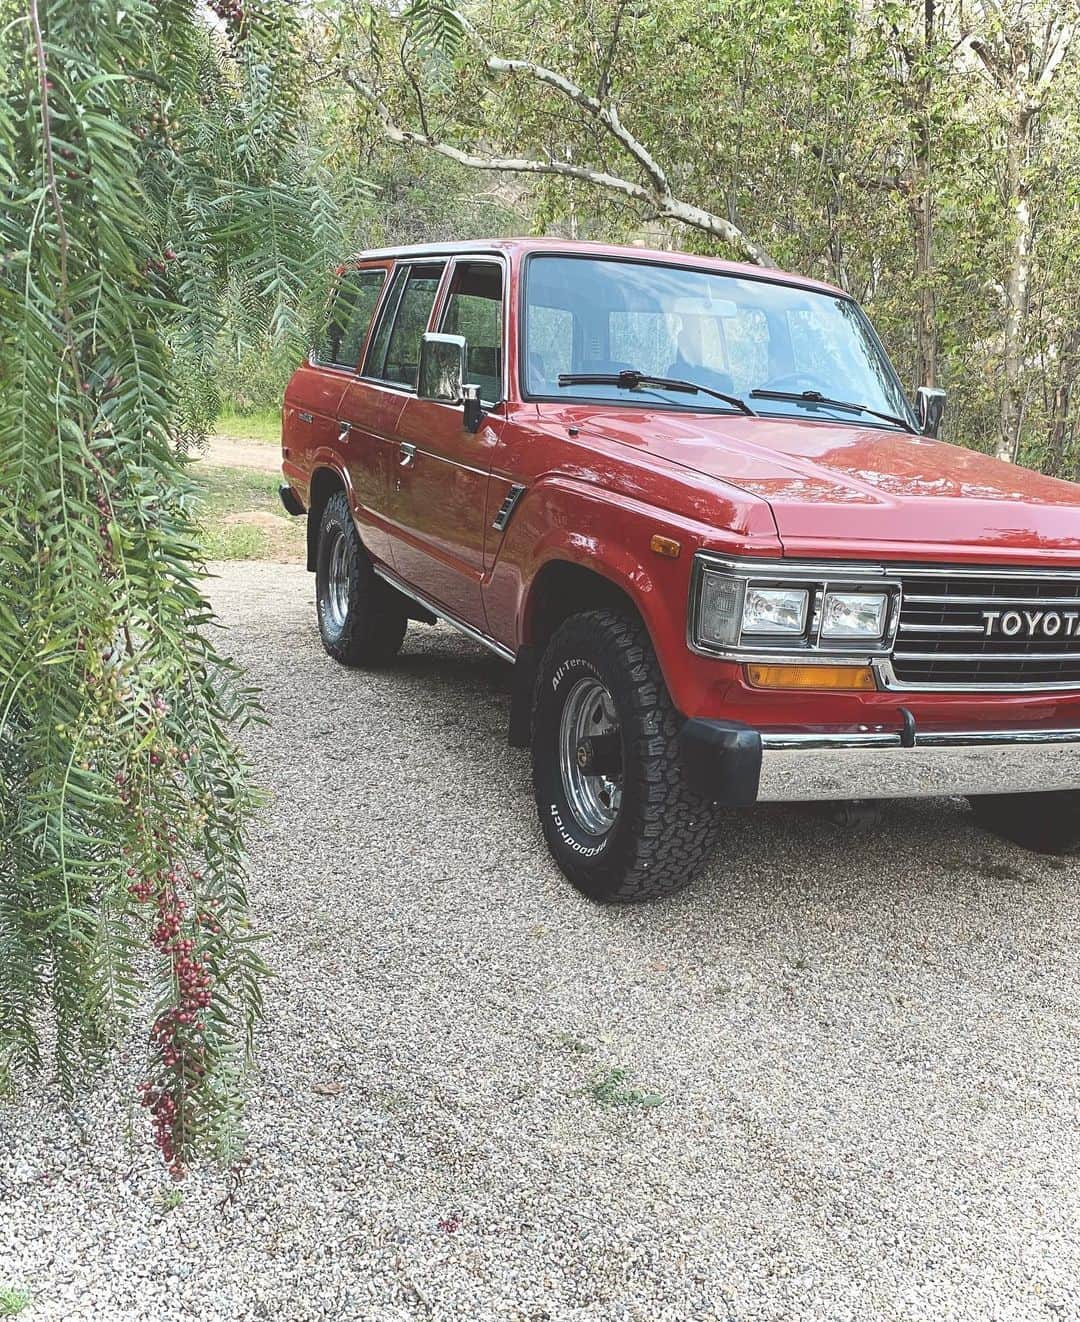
point(921, 202)
point(1062, 428)
point(926, 337)
point(1017, 283)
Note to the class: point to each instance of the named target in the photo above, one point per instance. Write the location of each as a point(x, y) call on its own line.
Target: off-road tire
point(664, 832)
point(1046, 823)
point(370, 628)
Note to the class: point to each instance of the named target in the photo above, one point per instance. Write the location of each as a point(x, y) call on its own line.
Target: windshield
point(723, 332)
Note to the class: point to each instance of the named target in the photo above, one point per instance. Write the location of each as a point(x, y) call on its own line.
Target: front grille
point(942, 638)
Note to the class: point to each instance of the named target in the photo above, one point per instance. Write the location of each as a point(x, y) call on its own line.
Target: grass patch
point(569, 1042)
point(12, 1301)
point(240, 516)
point(260, 425)
point(613, 1088)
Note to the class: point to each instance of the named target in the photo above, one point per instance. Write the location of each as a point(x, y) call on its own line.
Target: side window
point(351, 309)
point(474, 310)
point(395, 350)
point(376, 354)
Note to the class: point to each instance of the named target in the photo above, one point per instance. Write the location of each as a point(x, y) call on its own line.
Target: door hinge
point(506, 509)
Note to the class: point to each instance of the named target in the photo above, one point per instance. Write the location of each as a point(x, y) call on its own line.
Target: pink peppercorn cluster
point(177, 1032)
point(231, 13)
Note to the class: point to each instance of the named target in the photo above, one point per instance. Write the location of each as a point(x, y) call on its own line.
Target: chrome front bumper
point(799, 767)
point(735, 765)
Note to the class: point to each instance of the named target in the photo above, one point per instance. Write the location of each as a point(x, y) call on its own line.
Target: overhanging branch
point(657, 195)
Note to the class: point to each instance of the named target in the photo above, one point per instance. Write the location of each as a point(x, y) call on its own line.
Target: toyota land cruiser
point(691, 504)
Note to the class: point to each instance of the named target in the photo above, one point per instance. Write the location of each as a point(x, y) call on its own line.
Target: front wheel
point(614, 804)
point(1046, 823)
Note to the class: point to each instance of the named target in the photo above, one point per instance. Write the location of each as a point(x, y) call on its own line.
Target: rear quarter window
point(352, 305)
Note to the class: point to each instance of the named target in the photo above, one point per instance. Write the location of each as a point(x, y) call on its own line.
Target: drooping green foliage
point(151, 162)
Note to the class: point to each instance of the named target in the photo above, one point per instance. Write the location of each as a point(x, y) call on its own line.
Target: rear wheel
point(1046, 823)
point(362, 620)
point(615, 808)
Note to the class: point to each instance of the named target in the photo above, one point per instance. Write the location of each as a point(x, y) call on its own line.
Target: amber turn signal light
point(665, 546)
point(859, 678)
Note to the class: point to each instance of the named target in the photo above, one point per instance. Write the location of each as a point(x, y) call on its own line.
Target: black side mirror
point(929, 407)
point(474, 413)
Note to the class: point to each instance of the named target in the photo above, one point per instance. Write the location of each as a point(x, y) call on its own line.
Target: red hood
point(835, 487)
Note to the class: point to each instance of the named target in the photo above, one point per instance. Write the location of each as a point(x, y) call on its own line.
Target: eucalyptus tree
point(150, 157)
point(442, 70)
point(1020, 49)
point(903, 149)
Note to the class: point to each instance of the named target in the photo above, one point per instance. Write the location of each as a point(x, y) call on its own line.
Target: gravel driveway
point(851, 1084)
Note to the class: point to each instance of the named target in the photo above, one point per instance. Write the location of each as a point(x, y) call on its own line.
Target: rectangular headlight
point(775, 612)
point(755, 609)
point(856, 615)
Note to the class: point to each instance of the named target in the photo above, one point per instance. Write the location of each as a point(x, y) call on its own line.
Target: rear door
point(439, 497)
point(310, 419)
point(374, 402)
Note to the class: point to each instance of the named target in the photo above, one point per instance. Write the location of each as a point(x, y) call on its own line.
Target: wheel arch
point(562, 588)
point(325, 482)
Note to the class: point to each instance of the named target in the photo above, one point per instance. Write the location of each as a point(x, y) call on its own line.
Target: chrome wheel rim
point(590, 756)
point(337, 582)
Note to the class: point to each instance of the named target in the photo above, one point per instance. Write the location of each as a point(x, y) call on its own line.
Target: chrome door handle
point(304, 416)
point(345, 428)
point(408, 455)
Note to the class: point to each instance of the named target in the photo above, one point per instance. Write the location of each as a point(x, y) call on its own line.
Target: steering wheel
point(796, 383)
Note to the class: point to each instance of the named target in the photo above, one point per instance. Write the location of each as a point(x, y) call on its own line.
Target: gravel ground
point(865, 1054)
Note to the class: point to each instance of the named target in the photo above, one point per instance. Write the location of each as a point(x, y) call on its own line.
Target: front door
point(440, 488)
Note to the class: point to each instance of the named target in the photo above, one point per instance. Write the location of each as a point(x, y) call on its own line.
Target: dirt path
point(237, 452)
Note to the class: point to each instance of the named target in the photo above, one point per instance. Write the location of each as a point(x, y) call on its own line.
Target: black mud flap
point(290, 499)
point(722, 761)
point(520, 732)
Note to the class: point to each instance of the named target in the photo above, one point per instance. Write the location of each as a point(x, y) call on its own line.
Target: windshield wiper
point(631, 380)
point(816, 397)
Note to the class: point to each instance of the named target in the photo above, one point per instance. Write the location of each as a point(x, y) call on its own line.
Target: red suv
point(691, 504)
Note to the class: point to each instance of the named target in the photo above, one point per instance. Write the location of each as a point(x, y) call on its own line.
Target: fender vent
point(506, 509)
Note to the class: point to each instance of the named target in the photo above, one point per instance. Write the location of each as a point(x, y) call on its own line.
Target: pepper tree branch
point(63, 242)
point(658, 195)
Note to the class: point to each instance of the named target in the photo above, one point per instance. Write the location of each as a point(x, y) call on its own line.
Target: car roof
point(521, 247)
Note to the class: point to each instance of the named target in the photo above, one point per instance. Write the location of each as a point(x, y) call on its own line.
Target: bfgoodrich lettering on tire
point(610, 790)
point(362, 620)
